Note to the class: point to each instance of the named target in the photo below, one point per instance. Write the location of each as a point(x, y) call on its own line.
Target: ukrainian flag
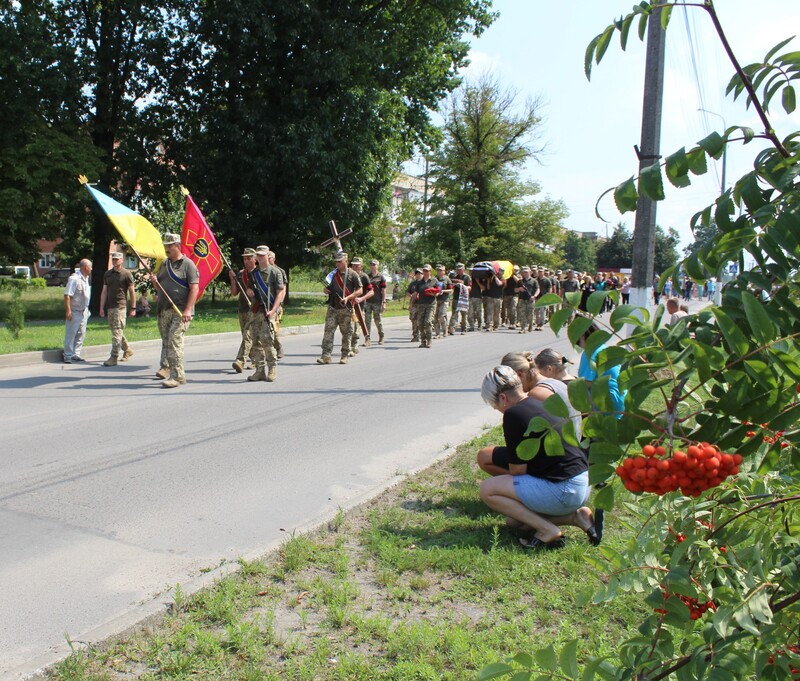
point(136, 231)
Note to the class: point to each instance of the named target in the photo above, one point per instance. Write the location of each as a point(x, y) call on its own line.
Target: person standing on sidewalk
point(117, 286)
point(76, 301)
point(179, 279)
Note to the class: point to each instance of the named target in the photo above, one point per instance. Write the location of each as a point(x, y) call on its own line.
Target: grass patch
point(422, 583)
point(44, 316)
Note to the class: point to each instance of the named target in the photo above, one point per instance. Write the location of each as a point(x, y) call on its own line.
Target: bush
point(15, 321)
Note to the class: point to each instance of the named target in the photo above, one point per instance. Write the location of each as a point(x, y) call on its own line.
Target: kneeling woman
point(545, 492)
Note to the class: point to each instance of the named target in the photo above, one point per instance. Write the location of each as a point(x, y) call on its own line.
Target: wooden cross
point(337, 236)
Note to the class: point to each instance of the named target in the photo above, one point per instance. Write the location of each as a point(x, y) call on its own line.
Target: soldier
point(179, 280)
point(545, 284)
point(527, 290)
point(475, 314)
point(344, 286)
point(427, 292)
point(269, 289)
point(413, 295)
point(117, 286)
point(492, 301)
point(461, 296)
point(442, 303)
point(508, 312)
point(366, 294)
point(279, 316)
point(376, 305)
point(241, 282)
point(570, 285)
point(77, 294)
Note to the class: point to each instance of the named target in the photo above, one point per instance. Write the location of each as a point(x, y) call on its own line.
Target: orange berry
point(649, 450)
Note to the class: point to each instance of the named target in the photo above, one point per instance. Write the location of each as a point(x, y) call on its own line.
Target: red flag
point(199, 245)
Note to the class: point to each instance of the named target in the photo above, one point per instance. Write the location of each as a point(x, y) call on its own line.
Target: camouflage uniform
point(411, 292)
point(175, 278)
point(276, 320)
point(366, 286)
point(268, 283)
point(117, 283)
point(458, 315)
point(475, 314)
point(373, 308)
point(243, 281)
point(424, 308)
point(339, 315)
point(508, 312)
point(544, 288)
point(527, 296)
point(442, 302)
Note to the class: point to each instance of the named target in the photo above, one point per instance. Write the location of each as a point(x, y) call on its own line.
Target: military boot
point(110, 362)
point(170, 383)
point(127, 354)
point(325, 359)
point(343, 360)
point(162, 373)
point(237, 366)
point(260, 375)
point(367, 342)
point(380, 339)
point(272, 374)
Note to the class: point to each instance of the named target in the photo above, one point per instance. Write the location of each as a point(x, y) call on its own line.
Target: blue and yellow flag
point(136, 231)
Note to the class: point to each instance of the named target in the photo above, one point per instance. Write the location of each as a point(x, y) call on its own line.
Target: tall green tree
point(480, 207)
point(283, 116)
point(666, 250)
point(580, 253)
point(616, 252)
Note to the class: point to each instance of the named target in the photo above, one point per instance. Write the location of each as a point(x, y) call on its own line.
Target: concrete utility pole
point(644, 232)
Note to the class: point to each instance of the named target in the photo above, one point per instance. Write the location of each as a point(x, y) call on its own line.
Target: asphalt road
point(113, 489)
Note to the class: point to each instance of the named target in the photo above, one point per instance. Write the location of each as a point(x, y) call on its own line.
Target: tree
point(282, 116)
point(580, 253)
point(616, 252)
point(712, 410)
point(480, 208)
point(666, 251)
point(703, 236)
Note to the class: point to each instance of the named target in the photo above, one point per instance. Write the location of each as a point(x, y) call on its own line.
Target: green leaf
point(666, 13)
point(776, 49)
point(546, 657)
point(626, 196)
point(548, 299)
point(677, 167)
point(693, 267)
point(624, 29)
point(650, 183)
point(553, 444)
point(589, 57)
point(713, 145)
point(789, 99)
point(601, 472)
point(529, 448)
point(736, 340)
point(594, 302)
point(538, 424)
point(494, 671)
point(696, 159)
point(578, 393)
point(643, 25)
point(568, 660)
point(747, 190)
point(605, 498)
point(523, 660)
point(559, 318)
point(761, 325)
point(555, 405)
point(602, 43)
point(578, 327)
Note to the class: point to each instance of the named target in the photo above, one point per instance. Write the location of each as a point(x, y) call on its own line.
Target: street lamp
point(724, 149)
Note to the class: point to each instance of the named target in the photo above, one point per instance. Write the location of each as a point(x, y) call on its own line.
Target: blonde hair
point(501, 379)
point(518, 361)
point(550, 358)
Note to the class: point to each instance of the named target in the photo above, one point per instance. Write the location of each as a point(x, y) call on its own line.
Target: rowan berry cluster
point(700, 467)
point(696, 609)
point(777, 436)
point(791, 649)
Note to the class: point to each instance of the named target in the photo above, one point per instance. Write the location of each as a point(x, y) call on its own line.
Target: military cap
point(262, 250)
point(340, 255)
point(116, 255)
point(171, 240)
point(249, 252)
point(356, 261)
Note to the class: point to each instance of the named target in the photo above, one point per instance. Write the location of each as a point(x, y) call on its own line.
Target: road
point(113, 489)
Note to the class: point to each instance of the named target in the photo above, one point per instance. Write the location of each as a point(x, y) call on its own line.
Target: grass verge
point(423, 582)
point(46, 308)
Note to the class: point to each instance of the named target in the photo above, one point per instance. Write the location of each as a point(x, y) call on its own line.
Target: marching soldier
point(461, 296)
point(269, 290)
point(527, 290)
point(413, 295)
point(475, 315)
point(375, 305)
point(343, 288)
point(442, 303)
point(366, 294)
point(544, 288)
point(427, 292)
point(508, 312)
point(279, 315)
point(117, 286)
point(241, 282)
point(179, 279)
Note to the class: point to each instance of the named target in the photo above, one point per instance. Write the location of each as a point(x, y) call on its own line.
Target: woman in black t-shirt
point(541, 492)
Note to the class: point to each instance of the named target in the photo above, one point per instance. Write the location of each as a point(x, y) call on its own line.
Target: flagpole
point(154, 279)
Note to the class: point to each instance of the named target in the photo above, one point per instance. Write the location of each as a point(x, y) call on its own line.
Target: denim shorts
point(552, 498)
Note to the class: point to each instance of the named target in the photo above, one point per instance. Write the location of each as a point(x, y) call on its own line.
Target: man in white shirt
point(76, 302)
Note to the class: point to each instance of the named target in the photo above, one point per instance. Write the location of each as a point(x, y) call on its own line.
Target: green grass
point(423, 583)
point(44, 315)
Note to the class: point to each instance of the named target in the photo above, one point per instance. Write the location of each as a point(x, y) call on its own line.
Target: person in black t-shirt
point(538, 492)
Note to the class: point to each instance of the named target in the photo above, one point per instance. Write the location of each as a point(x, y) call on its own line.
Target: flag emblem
point(201, 248)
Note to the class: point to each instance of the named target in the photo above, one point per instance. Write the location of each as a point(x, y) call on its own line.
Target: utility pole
point(644, 232)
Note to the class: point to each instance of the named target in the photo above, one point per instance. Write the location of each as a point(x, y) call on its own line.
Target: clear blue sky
point(537, 48)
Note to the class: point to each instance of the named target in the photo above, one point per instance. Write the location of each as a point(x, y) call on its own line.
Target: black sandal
point(595, 533)
point(536, 544)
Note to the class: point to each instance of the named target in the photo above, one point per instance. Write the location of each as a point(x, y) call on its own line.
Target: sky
point(590, 127)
